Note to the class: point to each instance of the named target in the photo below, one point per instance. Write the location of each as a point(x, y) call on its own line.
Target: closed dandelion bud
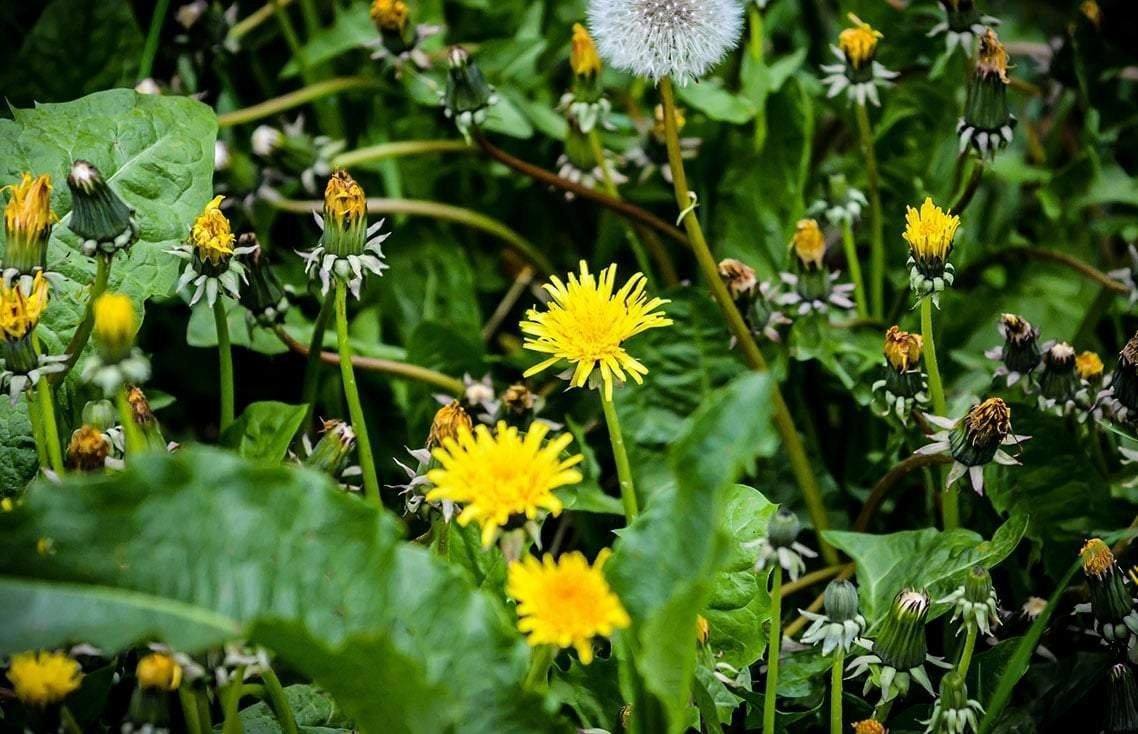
point(987, 123)
point(841, 625)
point(739, 278)
point(859, 44)
point(930, 231)
point(780, 545)
point(809, 245)
point(347, 251)
point(88, 449)
point(783, 528)
point(100, 414)
point(840, 600)
point(330, 454)
point(975, 601)
point(115, 325)
point(100, 218)
point(468, 95)
point(1020, 352)
point(583, 57)
point(902, 350)
point(812, 283)
point(42, 678)
point(159, 671)
point(264, 297)
point(144, 418)
point(702, 629)
point(858, 75)
point(1124, 381)
point(869, 726)
point(585, 103)
point(978, 437)
point(1058, 382)
point(962, 24)
point(28, 220)
point(901, 641)
point(1122, 709)
point(1110, 600)
point(449, 423)
point(21, 307)
point(954, 712)
point(391, 20)
point(1089, 367)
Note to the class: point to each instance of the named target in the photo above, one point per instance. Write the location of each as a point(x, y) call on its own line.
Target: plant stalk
point(537, 677)
point(279, 702)
point(384, 151)
point(352, 395)
point(83, 331)
point(37, 432)
point(304, 95)
point(969, 647)
point(950, 500)
point(620, 455)
point(876, 224)
point(855, 270)
point(150, 49)
point(313, 354)
point(49, 427)
point(611, 189)
point(774, 650)
point(224, 362)
point(836, 671)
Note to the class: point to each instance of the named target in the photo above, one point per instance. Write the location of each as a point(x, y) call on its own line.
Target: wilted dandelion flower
point(587, 323)
point(859, 74)
point(349, 249)
point(502, 478)
point(813, 287)
point(565, 603)
point(755, 300)
point(331, 452)
point(292, 152)
point(42, 678)
point(116, 361)
point(1115, 615)
point(89, 449)
point(213, 263)
point(974, 441)
point(987, 123)
point(963, 22)
point(1060, 388)
point(1120, 396)
point(1020, 353)
point(975, 601)
point(780, 545)
point(100, 218)
point(841, 625)
point(21, 365)
point(585, 103)
point(869, 726)
point(954, 712)
point(930, 231)
point(28, 220)
point(897, 655)
point(681, 39)
point(905, 384)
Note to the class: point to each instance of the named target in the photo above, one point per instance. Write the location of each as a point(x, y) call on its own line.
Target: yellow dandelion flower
point(1092, 11)
point(587, 324)
point(115, 322)
point(702, 629)
point(993, 57)
point(502, 476)
point(20, 311)
point(1088, 365)
point(344, 199)
point(28, 216)
point(211, 235)
point(902, 350)
point(583, 55)
point(869, 726)
point(565, 602)
point(1097, 558)
point(859, 43)
point(40, 678)
point(159, 671)
point(389, 15)
point(808, 243)
point(929, 232)
point(449, 420)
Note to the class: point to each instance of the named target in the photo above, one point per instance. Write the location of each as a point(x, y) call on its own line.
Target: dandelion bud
point(954, 712)
point(808, 244)
point(347, 251)
point(264, 298)
point(979, 435)
point(1020, 353)
point(330, 454)
point(702, 629)
point(1110, 599)
point(739, 277)
point(115, 325)
point(159, 671)
point(88, 449)
point(904, 385)
point(1089, 367)
point(100, 414)
point(813, 286)
point(583, 56)
point(783, 528)
point(930, 231)
point(975, 600)
point(902, 350)
point(840, 600)
point(859, 74)
point(28, 220)
point(859, 43)
point(209, 251)
point(585, 103)
point(98, 215)
point(1122, 709)
point(450, 421)
point(963, 22)
point(21, 307)
point(869, 726)
point(468, 96)
point(987, 122)
point(1058, 383)
point(1124, 381)
point(842, 625)
point(682, 39)
point(901, 642)
point(43, 678)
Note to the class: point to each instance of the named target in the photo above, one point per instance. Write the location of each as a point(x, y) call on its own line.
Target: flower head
point(993, 59)
point(587, 323)
point(869, 726)
point(28, 220)
point(88, 449)
point(331, 452)
point(98, 215)
point(502, 477)
point(1098, 561)
point(450, 420)
point(975, 601)
point(583, 57)
point(812, 286)
point(345, 214)
point(1059, 387)
point(859, 43)
point(987, 123)
point(115, 325)
point(904, 384)
point(858, 74)
point(902, 350)
point(954, 712)
point(739, 277)
point(665, 38)
point(841, 625)
point(1020, 353)
point(1088, 366)
point(467, 97)
point(808, 244)
point(585, 104)
point(780, 545)
point(209, 251)
point(565, 603)
point(348, 250)
point(41, 678)
point(21, 306)
point(930, 231)
point(211, 235)
point(20, 311)
point(899, 651)
point(389, 15)
point(159, 671)
point(1115, 613)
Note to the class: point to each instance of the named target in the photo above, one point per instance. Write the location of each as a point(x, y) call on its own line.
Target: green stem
point(291, 37)
point(966, 653)
point(855, 269)
point(225, 362)
point(836, 671)
point(312, 362)
point(133, 436)
point(37, 432)
point(83, 331)
point(537, 677)
point(190, 710)
point(384, 151)
point(231, 724)
point(623, 468)
point(950, 501)
point(612, 190)
point(254, 19)
point(351, 393)
point(49, 427)
point(279, 701)
point(755, 47)
point(307, 94)
point(784, 422)
point(67, 721)
point(201, 699)
point(774, 649)
point(150, 49)
point(877, 250)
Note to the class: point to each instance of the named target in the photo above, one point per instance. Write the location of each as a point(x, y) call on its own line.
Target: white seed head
point(266, 139)
point(657, 38)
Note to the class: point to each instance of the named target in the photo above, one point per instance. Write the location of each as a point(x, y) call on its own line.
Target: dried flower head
point(682, 39)
point(993, 59)
point(1097, 558)
point(974, 441)
point(88, 449)
point(739, 277)
point(449, 421)
point(902, 349)
point(211, 234)
point(28, 220)
point(987, 123)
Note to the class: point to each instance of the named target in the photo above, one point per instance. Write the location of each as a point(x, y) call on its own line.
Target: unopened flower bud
point(979, 435)
point(739, 277)
point(264, 297)
point(159, 671)
point(468, 95)
point(783, 528)
point(987, 123)
point(449, 423)
point(702, 629)
point(115, 325)
point(345, 216)
point(840, 600)
point(330, 454)
point(100, 414)
point(1122, 709)
point(1110, 600)
point(98, 215)
point(901, 642)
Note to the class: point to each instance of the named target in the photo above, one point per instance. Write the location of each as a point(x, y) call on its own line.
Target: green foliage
point(264, 431)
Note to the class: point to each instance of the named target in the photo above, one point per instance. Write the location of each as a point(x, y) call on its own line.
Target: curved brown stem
point(1088, 271)
point(894, 475)
point(625, 209)
point(815, 577)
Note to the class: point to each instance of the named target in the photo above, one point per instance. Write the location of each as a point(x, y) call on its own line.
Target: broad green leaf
point(931, 559)
point(592, 691)
point(352, 29)
point(264, 431)
point(665, 562)
point(200, 547)
point(17, 447)
point(314, 710)
point(710, 98)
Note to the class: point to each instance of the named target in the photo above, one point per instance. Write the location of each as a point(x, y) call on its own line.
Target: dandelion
point(28, 221)
point(587, 324)
point(293, 152)
point(905, 385)
point(987, 123)
point(565, 603)
point(897, 655)
point(449, 422)
point(88, 450)
point(859, 74)
point(813, 286)
point(213, 263)
point(398, 39)
point(962, 24)
point(331, 452)
point(349, 249)
point(780, 546)
point(869, 726)
point(502, 478)
point(42, 678)
point(101, 219)
point(1089, 367)
point(755, 300)
point(578, 162)
point(585, 103)
point(468, 97)
point(975, 601)
point(158, 671)
point(1120, 396)
point(930, 231)
point(1060, 388)
point(974, 441)
point(1115, 613)
point(116, 361)
point(21, 366)
point(1020, 353)
point(954, 712)
point(841, 625)
point(681, 39)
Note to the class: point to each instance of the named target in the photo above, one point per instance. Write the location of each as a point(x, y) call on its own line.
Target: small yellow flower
point(159, 671)
point(7, 504)
point(808, 243)
point(929, 232)
point(587, 324)
point(859, 43)
point(40, 678)
point(902, 349)
point(702, 629)
point(211, 235)
point(20, 311)
point(115, 323)
point(28, 216)
point(500, 477)
point(449, 421)
point(344, 199)
point(389, 15)
point(993, 57)
point(1097, 558)
point(1088, 366)
point(869, 726)
point(565, 602)
point(583, 55)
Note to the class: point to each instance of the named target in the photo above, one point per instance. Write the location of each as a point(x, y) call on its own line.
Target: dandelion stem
point(150, 49)
point(254, 19)
point(970, 189)
point(836, 671)
point(304, 95)
point(278, 701)
point(887, 482)
point(877, 241)
point(623, 468)
point(134, 443)
point(67, 721)
point(774, 649)
point(224, 362)
point(83, 331)
point(966, 652)
point(610, 188)
point(312, 354)
point(351, 393)
point(49, 427)
point(231, 697)
point(855, 269)
point(37, 431)
point(784, 422)
point(950, 508)
point(398, 149)
point(190, 710)
point(537, 677)
point(755, 46)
